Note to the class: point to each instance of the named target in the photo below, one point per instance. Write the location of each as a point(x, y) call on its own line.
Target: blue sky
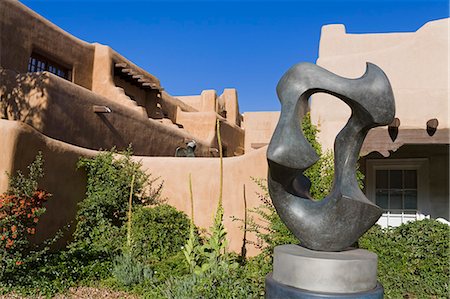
point(247, 45)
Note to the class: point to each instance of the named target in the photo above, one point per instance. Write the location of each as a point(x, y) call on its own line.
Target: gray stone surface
point(337, 221)
point(276, 290)
point(348, 271)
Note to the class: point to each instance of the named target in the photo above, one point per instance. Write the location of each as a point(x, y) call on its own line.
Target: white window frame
point(421, 165)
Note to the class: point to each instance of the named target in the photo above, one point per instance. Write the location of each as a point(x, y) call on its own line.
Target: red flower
point(18, 263)
point(13, 228)
point(9, 243)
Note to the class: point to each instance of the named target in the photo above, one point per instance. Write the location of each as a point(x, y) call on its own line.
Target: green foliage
point(212, 255)
point(191, 248)
point(158, 233)
point(104, 210)
point(25, 186)
point(129, 271)
point(412, 258)
point(221, 282)
point(265, 223)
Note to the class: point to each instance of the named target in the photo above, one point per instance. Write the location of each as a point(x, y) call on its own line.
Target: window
point(396, 189)
point(399, 187)
point(39, 63)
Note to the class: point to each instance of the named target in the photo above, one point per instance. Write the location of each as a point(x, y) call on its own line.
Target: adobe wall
point(238, 171)
point(23, 31)
point(21, 143)
point(259, 127)
point(19, 146)
point(416, 64)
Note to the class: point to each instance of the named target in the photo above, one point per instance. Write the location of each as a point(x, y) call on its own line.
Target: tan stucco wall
point(416, 64)
point(238, 172)
point(259, 127)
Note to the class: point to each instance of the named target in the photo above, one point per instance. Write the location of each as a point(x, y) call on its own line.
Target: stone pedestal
point(302, 273)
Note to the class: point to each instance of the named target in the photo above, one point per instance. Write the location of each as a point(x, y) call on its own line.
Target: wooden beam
point(120, 65)
point(129, 72)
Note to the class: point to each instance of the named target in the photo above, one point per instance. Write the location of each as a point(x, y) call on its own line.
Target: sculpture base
point(276, 290)
point(303, 273)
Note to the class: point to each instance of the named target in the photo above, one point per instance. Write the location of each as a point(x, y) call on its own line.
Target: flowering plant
point(20, 209)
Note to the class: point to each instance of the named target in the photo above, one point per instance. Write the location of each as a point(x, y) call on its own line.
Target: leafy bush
point(412, 258)
point(103, 212)
point(158, 233)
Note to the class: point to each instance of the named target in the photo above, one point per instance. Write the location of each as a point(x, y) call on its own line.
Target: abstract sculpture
point(337, 221)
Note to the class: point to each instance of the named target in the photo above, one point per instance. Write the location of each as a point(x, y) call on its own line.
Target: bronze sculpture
point(337, 221)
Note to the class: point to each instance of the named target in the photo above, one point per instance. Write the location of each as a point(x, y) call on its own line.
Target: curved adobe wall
point(19, 146)
point(67, 184)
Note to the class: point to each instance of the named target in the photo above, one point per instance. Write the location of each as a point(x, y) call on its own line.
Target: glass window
point(39, 63)
point(396, 189)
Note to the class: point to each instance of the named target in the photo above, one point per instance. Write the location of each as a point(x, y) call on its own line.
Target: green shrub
point(158, 233)
point(129, 271)
point(221, 282)
point(102, 213)
point(412, 258)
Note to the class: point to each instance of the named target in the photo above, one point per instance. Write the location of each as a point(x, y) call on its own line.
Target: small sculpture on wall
point(337, 221)
point(188, 151)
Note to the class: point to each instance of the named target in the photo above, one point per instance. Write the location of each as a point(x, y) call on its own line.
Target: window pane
point(395, 179)
point(410, 179)
point(395, 199)
point(381, 179)
point(381, 198)
point(411, 199)
point(39, 63)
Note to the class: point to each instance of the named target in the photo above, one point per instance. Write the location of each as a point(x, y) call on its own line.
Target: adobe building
point(69, 99)
point(406, 165)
